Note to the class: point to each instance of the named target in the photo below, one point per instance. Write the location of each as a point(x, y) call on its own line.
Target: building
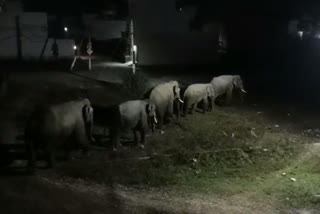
point(163, 36)
point(24, 35)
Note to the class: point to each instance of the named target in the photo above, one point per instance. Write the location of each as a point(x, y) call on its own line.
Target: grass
point(222, 153)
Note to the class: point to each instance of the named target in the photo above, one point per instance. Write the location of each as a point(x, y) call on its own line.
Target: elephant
point(225, 84)
point(135, 115)
point(165, 96)
point(196, 93)
point(59, 125)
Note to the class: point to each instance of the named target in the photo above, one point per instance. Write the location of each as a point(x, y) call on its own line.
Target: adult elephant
point(64, 124)
point(135, 115)
point(164, 96)
point(196, 93)
point(225, 84)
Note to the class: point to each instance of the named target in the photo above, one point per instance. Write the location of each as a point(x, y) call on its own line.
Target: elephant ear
point(176, 89)
point(148, 108)
point(87, 112)
point(235, 81)
point(208, 89)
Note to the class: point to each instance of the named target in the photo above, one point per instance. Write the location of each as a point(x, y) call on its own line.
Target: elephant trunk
point(152, 121)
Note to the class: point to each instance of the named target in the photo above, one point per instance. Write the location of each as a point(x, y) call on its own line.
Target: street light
point(65, 29)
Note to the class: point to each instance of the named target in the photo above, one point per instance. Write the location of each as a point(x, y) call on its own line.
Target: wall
point(163, 35)
point(8, 41)
point(101, 29)
point(34, 32)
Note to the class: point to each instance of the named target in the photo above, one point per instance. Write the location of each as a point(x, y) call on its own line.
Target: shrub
point(135, 85)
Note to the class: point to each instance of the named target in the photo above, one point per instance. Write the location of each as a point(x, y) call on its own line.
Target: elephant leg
point(205, 105)
point(193, 108)
point(50, 159)
point(229, 95)
point(212, 103)
point(135, 137)
point(178, 109)
point(161, 119)
point(241, 96)
point(143, 138)
point(32, 158)
point(185, 108)
point(116, 141)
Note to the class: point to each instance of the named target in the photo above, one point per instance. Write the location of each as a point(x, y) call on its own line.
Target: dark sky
point(217, 7)
point(71, 6)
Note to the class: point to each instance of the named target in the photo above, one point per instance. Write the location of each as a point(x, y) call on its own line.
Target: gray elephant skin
point(225, 84)
point(196, 93)
point(165, 96)
point(67, 124)
point(135, 115)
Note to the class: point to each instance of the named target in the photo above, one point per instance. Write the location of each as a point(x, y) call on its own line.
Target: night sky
point(72, 6)
point(286, 8)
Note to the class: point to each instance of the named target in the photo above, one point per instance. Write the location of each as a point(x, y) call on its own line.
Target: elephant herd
point(70, 124)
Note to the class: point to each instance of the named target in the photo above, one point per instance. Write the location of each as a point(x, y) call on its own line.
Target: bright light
point(135, 48)
point(300, 33)
point(74, 47)
point(65, 29)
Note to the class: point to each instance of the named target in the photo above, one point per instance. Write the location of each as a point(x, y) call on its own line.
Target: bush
point(135, 85)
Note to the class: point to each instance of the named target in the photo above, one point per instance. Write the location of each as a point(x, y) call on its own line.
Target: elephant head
point(237, 82)
point(151, 115)
point(176, 91)
point(210, 90)
point(87, 113)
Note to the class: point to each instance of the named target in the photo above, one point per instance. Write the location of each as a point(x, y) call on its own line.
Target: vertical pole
point(89, 51)
point(131, 32)
point(132, 48)
point(18, 30)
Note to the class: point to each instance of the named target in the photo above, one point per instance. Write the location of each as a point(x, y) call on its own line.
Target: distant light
point(180, 9)
point(65, 29)
point(317, 36)
point(135, 48)
point(74, 47)
point(300, 33)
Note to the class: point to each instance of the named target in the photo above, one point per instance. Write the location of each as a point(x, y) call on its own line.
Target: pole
point(89, 51)
point(131, 32)
point(19, 48)
point(132, 48)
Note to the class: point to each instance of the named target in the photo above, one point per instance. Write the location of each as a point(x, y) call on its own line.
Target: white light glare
point(300, 33)
point(135, 48)
point(65, 29)
point(74, 47)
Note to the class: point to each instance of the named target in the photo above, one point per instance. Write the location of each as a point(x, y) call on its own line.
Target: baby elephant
point(135, 115)
point(196, 93)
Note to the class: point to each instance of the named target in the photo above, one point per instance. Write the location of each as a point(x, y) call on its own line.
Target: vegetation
point(135, 84)
point(222, 153)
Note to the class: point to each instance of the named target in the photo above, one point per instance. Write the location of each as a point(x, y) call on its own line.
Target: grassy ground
point(232, 160)
point(222, 154)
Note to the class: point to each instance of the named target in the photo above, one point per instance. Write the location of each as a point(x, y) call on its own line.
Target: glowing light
point(135, 48)
point(65, 29)
point(300, 33)
point(74, 47)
